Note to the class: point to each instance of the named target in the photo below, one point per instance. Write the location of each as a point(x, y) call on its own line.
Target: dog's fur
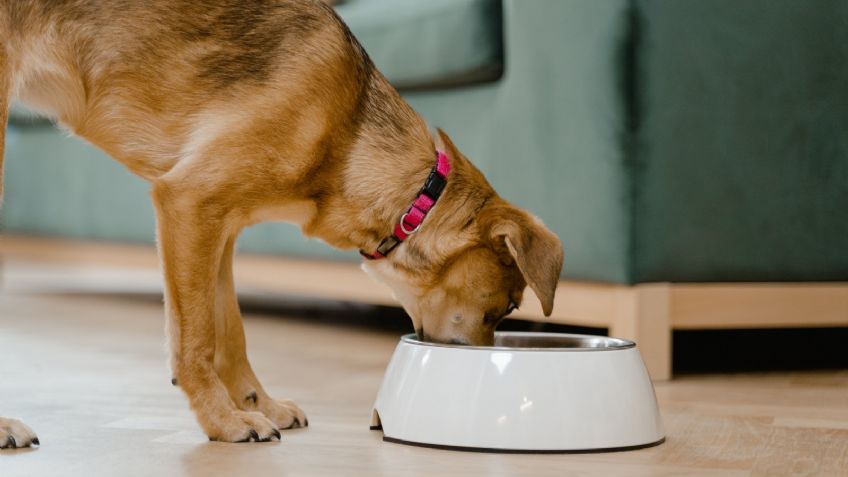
point(242, 111)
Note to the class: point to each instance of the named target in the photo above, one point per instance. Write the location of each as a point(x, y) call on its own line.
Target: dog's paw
point(241, 426)
point(285, 414)
point(14, 434)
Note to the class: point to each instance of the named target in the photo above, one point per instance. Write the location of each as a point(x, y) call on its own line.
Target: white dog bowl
point(531, 392)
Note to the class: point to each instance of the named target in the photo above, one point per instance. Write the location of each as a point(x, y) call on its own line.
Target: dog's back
point(147, 81)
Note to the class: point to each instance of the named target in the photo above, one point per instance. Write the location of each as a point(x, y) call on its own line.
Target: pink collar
point(411, 220)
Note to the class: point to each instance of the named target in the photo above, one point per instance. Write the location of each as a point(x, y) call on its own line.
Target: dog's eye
point(493, 318)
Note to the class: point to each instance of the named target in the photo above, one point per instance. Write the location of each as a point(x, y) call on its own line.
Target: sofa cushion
point(429, 43)
point(742, 166)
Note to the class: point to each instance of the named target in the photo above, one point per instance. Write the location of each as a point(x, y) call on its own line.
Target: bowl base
point(518, 451)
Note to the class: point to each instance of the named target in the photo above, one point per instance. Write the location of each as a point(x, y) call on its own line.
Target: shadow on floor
point(709, 351)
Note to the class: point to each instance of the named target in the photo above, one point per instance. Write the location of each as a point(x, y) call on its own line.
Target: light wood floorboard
point(88, 372)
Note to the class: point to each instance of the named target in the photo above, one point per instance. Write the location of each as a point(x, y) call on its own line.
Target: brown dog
point(242, 111)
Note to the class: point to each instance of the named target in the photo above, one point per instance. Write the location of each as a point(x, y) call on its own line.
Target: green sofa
point(664, 140)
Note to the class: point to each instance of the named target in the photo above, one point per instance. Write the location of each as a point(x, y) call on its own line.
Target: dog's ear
point(518, 236)
point(446, 144)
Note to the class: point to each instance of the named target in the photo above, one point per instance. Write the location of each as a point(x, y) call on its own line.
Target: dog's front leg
point(231, 361)
point(193, 230)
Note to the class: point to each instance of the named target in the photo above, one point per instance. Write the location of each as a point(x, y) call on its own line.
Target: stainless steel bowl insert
point(528, 341)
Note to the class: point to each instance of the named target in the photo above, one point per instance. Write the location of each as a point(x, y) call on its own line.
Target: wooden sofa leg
point(642, 315)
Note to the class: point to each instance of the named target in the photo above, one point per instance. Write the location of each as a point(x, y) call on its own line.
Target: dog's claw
point(306, 422)
point(253, 436)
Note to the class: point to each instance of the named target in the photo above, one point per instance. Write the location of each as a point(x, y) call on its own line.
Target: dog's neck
point(383, 164)
point(386, 167)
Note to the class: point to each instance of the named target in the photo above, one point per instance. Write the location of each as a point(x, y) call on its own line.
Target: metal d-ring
point(408, 232)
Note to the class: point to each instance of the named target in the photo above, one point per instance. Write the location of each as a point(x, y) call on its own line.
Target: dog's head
point(469, 265)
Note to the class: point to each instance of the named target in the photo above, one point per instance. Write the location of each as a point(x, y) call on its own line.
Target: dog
point(238, 112)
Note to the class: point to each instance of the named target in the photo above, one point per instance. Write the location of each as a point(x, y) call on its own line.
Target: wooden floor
point(87, 371)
